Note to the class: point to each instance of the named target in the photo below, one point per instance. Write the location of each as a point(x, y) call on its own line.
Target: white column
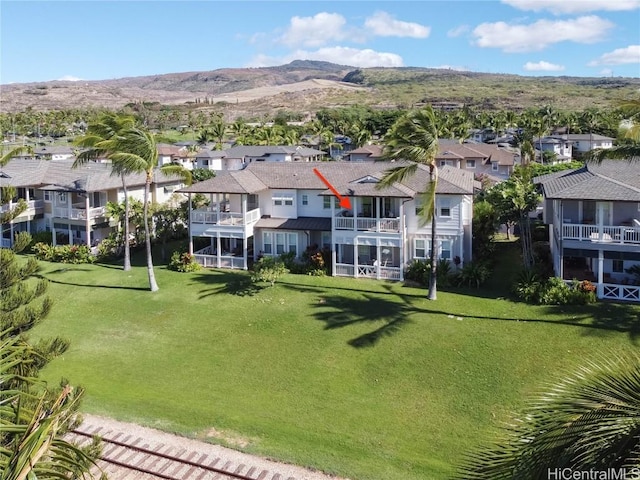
point(354, 205)
point(87, 221)
point(355, 257)
point(189, 225)
point(600, 274)
point(218, 248)
point(333, 258)
point(378, 258)
point(53, 232)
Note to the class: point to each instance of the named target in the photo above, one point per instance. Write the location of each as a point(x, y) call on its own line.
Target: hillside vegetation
point(306, 86)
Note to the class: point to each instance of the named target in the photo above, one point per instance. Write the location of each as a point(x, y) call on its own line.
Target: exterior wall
point(453, 223)
point(279, 207)
point(314, 207)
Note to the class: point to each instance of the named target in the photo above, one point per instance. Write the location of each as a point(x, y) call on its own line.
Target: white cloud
point(384, 25)
point(543, 66)
point(315, 31)
point(573, 6)
point(456, 32)
point(619, 56)
point(539, 35)
point(69, 78)
point(606, 72)
point(340, 55)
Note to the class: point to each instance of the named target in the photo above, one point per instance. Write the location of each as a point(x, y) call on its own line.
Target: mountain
point(305, 86)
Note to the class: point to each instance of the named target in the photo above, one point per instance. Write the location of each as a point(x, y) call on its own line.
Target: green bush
point(443, 273)
point(554, 291)
point(183, 262)
point(64, 253)
point(268, 269)
point(21, 241)
point(418, 271)
point(473, 274)
point(41, 237)
point(528, 287)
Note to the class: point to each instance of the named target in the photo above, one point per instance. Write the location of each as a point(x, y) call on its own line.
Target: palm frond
point(427, 204)
point(396, 175)
point(178, 171)
point(14, 152)
point(631, 153)
point(588, 421)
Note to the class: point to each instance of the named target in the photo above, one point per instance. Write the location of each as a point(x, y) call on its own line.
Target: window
point(443, 163)
point(326, 202)
point(445, 207)
point(62, 197)
point(326, 240)
point(305, 199)
point(618, 266)
point(445, 249)
point(422, 248)
point(280, 239)
point(471, 164)
point(47, 196)
point(282, 199)
point(494, 166)
point(267, 243)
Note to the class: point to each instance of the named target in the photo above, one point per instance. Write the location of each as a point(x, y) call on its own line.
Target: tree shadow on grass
point(231, 283)
point(117, 287)
point(338, 311)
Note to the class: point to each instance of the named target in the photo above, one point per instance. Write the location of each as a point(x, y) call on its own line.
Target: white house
point(273, 208)
point(236, 158)
point(594, 219)
point(583, 142)
point(71, 203)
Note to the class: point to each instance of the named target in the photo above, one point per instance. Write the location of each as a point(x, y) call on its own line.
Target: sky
point(99, 40)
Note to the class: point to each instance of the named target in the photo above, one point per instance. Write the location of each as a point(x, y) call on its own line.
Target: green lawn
point(360, 378)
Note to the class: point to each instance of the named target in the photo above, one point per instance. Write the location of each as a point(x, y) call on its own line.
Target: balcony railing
point(365, 224)
point(79, 213)
point(601, 234)
point(225, 218)
point(368, 271)
point(628, 293)
point(32, 206)
point(223, 261)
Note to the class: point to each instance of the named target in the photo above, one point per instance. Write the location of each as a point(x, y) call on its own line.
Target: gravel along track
point(132, 452)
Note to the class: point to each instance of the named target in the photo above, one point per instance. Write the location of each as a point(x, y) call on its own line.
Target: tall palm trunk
point(433, 274)
point(153, 286)
point(127, 249)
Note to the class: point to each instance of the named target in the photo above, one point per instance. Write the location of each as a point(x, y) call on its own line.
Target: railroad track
point(127, 457)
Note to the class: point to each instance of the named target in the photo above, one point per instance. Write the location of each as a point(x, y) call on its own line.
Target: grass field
point(360, 378)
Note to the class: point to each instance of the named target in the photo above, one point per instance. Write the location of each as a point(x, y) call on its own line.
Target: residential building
point(367, 153)
point(583, 142)
point(236, 158)
point(558, 145)
point(478, 158)
point(267, 209)
point(71, 203)
point(594, 225)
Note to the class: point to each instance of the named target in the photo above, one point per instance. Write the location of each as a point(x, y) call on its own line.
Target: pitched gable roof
point(610, 181)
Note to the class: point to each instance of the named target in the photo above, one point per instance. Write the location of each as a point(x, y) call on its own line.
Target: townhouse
point(71, 203)
point(267, 209)
point(593, 215)
point(236, 158)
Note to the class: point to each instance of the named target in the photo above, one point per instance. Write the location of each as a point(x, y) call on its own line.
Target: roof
point(60, 175)
point(346, 177)
point(372, 151)
point(300, 223)
point(243, 151)
point(586, 136)
point(487, 153)
point(612, 180)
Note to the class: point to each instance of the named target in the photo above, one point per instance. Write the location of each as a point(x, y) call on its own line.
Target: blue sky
point(96, 40)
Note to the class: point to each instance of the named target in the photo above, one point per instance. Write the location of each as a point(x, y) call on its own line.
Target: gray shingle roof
point(91, 177)
point(342, 175)
point(300, 223)
point(612, 180)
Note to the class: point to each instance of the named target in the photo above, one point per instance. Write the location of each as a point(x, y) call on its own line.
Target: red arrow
point(344, 201)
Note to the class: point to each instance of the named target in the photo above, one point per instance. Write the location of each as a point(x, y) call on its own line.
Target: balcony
point(33, 207)
point(208, 258)
point(610, 234)
point(368, 271)
point(215, 217)
point(79, 213)
point(365, 224)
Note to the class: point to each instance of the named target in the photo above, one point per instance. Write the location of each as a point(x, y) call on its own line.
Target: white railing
point(367, 271)
point(31, 206)
point(628, 293)
point(605, 234)
point(225, 218)
point(224, 261)
point(365, 224)
point(79, 213)
point(344, 270)
point(390, 273)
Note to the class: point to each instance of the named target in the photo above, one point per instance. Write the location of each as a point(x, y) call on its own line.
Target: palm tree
point(629, 151)
point(107, 127)
point(414, 137)
point(135, 151)
point(589, 421)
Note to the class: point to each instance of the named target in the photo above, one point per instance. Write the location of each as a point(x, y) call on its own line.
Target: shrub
point(183, 262)
point(555, 291)
point(268, 269)
point(64, 253)
point(473, 274)
point(418, 271)
point(528, 287)
point(443, 273)
point(41, 237)
point(22, 241)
